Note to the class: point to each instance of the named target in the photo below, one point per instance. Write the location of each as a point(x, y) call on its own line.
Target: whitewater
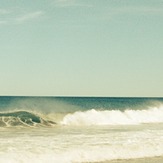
point(81, 129)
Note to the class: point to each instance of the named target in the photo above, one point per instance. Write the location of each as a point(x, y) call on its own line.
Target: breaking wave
point(114, 117)
point(23, 118)
point(82, 118)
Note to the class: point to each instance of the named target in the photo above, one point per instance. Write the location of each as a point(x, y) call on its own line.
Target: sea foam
point(114, 117)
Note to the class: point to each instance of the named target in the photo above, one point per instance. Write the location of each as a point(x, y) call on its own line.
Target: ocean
point(81, 130)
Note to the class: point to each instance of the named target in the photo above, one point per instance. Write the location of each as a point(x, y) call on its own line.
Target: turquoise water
point(80, 129)
point(84, 103)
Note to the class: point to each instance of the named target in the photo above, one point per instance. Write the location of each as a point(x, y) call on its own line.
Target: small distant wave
point(114, 117)
point(23, 118)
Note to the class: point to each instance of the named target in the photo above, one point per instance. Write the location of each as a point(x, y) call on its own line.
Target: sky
point(81, 48)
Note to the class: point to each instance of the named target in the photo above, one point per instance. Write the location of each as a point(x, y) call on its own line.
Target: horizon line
point(80, 96)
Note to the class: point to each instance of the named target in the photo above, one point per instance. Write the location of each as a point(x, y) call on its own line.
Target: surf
point(114, 117)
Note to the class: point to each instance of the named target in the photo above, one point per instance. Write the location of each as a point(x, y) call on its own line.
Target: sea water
point(80, 129)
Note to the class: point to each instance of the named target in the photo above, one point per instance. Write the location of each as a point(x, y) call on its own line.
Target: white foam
point(126, 150)
point(79, 144)
point(114, 117)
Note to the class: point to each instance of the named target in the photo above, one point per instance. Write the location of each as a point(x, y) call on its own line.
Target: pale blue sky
point(81, 47)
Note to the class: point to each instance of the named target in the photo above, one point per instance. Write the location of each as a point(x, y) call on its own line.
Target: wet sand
point(138, 160)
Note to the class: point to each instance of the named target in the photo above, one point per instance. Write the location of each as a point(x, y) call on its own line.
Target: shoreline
point(157, 159)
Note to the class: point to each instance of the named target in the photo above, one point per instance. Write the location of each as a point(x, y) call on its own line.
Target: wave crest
point(114, 117)
point(23, 118)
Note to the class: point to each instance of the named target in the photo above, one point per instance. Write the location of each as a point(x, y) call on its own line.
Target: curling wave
point(23, 118)
point(114, 117)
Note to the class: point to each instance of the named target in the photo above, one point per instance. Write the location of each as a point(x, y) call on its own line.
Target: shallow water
point(80, 144)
